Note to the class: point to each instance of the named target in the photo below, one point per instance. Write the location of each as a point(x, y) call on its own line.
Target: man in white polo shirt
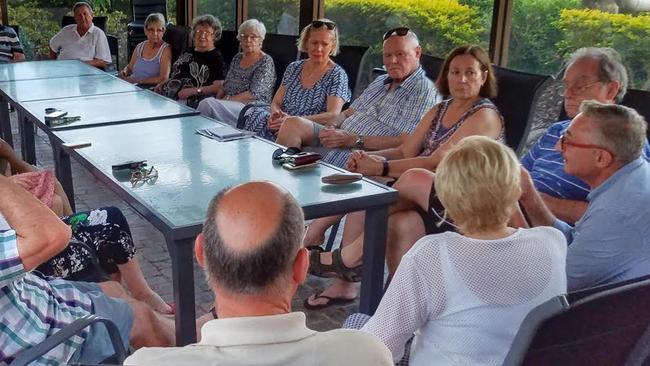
point(81, 41)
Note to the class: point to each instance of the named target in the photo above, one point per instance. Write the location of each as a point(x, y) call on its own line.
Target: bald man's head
point(251, 235)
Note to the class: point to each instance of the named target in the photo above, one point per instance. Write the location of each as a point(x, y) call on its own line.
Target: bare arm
point(18, 56)
point(568, 211)
point(533, 204)
point(128, 69)
point(334, 107)
point(97, 63)
point(244, 97)
point(17, 164)
point(40, 233)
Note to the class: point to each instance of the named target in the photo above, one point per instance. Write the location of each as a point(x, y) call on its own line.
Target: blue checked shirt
point(33, 308)
point(546, 166)
point(382, 112)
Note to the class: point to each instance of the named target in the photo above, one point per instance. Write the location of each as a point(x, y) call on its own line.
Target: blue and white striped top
point(33, 308)
point(546, 166)
point(382, 112)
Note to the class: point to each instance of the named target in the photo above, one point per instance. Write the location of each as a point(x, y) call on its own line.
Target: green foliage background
point(543, 33)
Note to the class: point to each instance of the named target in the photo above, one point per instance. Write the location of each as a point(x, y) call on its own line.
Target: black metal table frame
point(180, 240)
point(27, 121)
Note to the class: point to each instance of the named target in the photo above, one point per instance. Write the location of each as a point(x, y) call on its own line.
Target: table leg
point(63, 171)
point(28, 145)
point(182, 254)
point(374, 252)
point(6, 122)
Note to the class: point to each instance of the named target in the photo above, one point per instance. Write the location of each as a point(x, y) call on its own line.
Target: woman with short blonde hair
point(464, 294)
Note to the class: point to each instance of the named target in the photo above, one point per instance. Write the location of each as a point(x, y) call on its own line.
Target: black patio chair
point(228, 45)
point(610, 327)
point(350, 59)
point(114, 47)
point(431, 65)
point(282, 48)
point(29, 355)
point(517, 100)
point(178, 37)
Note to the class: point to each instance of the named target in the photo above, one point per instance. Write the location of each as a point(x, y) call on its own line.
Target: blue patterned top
point(546, 166)
point(258, 79)
point(34, 308)
point(299, 101)
point(379, 111)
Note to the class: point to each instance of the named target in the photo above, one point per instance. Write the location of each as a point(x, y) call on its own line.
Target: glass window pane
point(440, 24)
point(279, 16)
point(224, 10)
point(546, 32)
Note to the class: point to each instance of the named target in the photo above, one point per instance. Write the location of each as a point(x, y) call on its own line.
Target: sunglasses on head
point(321, 23)
point(400, 31)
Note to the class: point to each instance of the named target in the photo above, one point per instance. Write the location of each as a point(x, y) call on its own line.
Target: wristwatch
point(198, 91)
point(359, 143)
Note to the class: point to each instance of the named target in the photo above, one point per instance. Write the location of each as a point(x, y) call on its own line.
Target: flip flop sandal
point(337, 269)
point(330, 301)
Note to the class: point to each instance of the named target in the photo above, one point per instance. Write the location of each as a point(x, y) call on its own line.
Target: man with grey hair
point(388, 110)
point(251, 250)
point(81, 41)
point(611, 242)
point(591, 73)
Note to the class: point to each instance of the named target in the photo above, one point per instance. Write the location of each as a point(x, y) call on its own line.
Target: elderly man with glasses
point(611, 242)
point(592, 73)
point(389, 108)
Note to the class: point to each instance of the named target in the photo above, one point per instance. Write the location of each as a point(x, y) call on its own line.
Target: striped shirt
point(380, 111)
point(33, 308)
point(9, 43)
point(546, 166)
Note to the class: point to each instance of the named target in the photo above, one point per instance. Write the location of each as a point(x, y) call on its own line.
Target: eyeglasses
point(321, 23)
point(564, 142)
point(579, 88)
point(400, 31)
point(144, 175)
point(247, 37)
point(204, 33)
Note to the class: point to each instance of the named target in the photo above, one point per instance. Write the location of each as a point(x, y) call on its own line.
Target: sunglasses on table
point(321, 23)
point(400, 31)
point(144, 175)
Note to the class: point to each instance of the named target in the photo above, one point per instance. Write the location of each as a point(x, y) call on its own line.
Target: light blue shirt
point(611, 242)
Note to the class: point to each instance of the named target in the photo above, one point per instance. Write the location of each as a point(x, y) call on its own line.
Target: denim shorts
point(97, 346)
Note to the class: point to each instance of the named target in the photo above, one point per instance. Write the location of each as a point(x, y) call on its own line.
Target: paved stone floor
point(152, 252)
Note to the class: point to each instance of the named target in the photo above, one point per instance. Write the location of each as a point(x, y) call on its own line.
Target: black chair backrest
point(228, 45)
point(100, 22)
point(282, 48)
point(605, 328)
point(142, 9)
point(516, 100)
point(581, 294)
point(350, 58)
point(634, 98)
point(178, 37)
point(431, 65)
point(113, 46)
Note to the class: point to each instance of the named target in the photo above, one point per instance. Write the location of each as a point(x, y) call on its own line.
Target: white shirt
point(70, 46)
point(269, 340)
point(465, 298)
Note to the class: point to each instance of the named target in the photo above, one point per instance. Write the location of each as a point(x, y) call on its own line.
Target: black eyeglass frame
point(400, 31)
point(321, 23)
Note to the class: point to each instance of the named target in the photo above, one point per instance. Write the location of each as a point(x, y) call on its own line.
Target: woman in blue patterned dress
point(250, 79)
point(316, 87)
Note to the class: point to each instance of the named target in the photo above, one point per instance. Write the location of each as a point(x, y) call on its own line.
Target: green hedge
point(441, 24)
point(626, 33)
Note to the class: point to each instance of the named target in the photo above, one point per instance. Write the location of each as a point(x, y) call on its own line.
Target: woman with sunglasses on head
point(464, 294)
point(101, 243)
point(200, 71)
point(151, 60)
point(250, 79)
point(467, 77)
point(316, 88)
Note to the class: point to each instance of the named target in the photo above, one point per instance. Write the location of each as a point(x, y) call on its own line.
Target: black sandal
point(337, 269)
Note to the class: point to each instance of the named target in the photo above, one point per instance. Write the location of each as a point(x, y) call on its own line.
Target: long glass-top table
point(62, 84)
point(192, 169)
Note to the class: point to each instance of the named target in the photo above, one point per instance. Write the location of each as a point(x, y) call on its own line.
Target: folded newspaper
point(223, 133)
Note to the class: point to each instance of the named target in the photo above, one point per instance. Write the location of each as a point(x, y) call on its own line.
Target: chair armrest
point(28, 355)
point(241, 119)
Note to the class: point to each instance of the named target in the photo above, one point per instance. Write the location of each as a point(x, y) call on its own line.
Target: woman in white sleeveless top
point(464, 294)
point(151, 60)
